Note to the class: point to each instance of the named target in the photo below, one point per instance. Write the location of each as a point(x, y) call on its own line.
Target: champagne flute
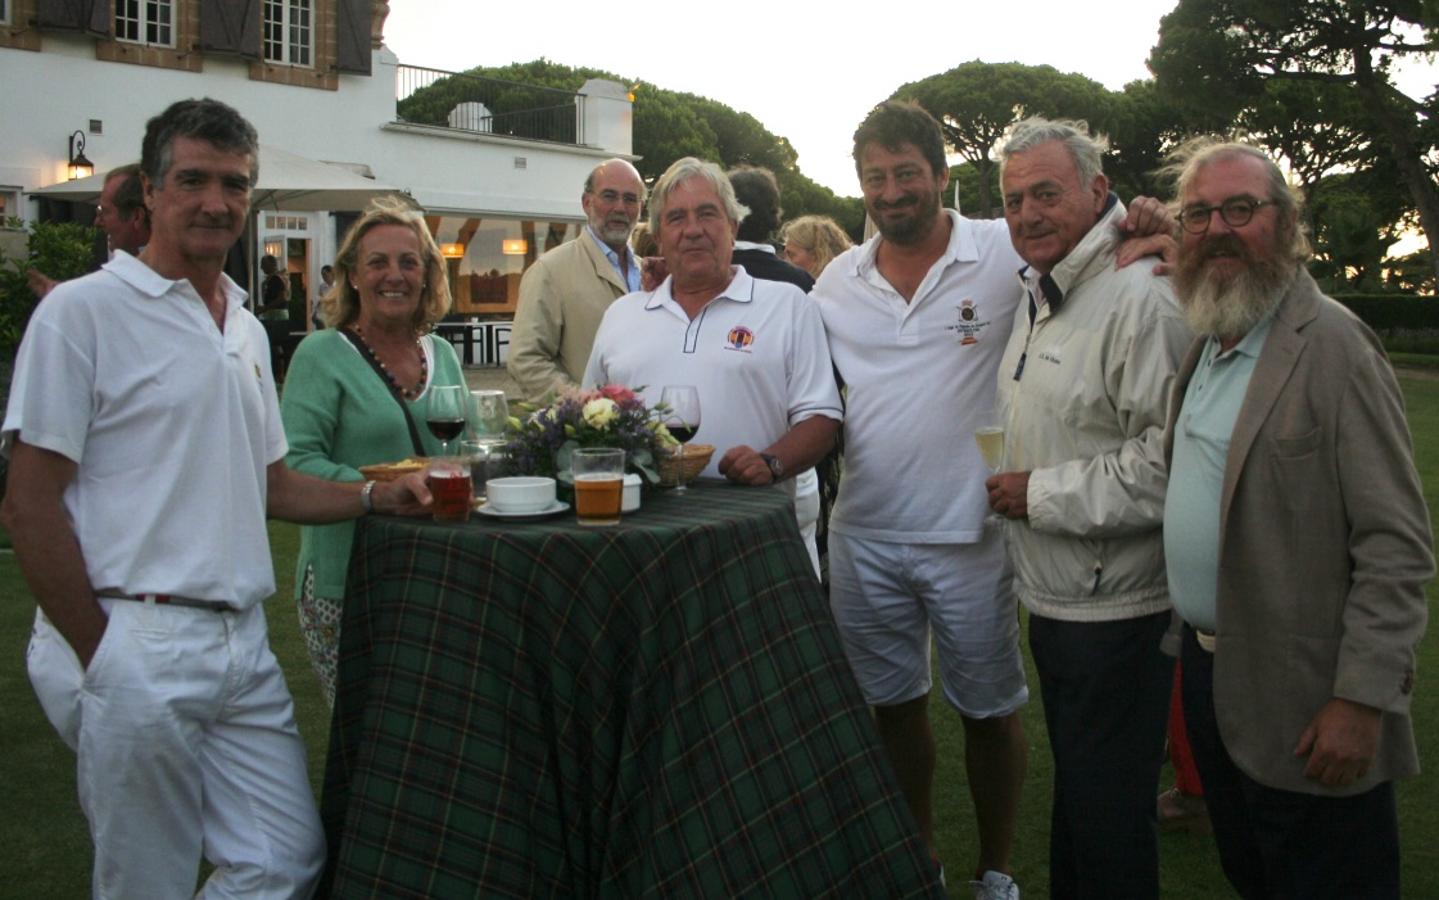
point(682, 419)
point(445, 414)
point(989, 435)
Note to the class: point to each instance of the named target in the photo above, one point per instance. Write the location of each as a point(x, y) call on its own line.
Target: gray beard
point(1228, 308)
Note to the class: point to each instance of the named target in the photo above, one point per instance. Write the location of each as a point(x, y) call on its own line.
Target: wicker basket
point(391, 471)
point(695, 457)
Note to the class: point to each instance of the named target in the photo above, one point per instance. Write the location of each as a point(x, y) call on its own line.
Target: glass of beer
point(449, 482)
point(599, 483)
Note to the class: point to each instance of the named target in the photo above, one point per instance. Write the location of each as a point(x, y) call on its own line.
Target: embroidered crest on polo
point(739, 338)
point(969, 326)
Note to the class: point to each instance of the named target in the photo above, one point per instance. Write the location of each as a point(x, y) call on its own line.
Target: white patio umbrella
point(287, 181)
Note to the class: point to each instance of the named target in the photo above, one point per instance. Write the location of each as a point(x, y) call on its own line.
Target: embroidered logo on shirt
point(1050, 356)
point(969, 326)
point(739, 339)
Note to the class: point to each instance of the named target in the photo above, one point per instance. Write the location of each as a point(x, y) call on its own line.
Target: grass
point(45, 847)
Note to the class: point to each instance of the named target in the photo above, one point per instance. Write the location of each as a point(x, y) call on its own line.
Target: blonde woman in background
point(810, 242)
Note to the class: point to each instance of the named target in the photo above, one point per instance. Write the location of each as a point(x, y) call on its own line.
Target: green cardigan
point(339, 415)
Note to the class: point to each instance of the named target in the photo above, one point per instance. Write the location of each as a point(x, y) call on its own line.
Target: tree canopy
point(1228, 56)
point(977, 102)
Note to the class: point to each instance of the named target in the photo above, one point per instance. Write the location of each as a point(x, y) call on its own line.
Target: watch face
point(776, 469)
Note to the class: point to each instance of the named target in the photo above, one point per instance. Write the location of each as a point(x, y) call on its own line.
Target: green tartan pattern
point(661, 708)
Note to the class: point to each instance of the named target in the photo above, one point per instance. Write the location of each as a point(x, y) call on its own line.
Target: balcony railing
point(471, 103)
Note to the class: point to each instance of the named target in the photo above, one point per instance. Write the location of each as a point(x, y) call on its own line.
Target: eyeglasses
point(1236, 213)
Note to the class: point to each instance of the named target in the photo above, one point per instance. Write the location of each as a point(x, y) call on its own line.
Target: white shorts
point(886, 598)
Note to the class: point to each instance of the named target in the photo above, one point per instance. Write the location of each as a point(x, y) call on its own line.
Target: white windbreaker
point(1085, 416)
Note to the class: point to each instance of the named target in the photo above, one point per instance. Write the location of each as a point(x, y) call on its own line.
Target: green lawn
point(45, 852)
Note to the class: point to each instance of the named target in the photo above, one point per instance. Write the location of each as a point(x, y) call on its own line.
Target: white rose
point(600, 413)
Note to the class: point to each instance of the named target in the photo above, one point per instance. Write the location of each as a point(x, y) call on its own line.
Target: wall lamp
point(80, 167)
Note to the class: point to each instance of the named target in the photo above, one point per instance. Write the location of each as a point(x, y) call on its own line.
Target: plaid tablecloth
point(661, 708)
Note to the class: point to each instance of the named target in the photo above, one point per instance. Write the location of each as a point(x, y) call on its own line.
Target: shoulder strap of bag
point(369, 356)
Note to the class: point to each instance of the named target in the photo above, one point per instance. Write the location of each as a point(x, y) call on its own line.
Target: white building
point(315, 79)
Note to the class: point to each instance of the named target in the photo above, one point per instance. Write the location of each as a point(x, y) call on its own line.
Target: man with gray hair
point(565, 293)
point(1082, 389)
point(755, 349)
point(146, 450)
point(1298, 546)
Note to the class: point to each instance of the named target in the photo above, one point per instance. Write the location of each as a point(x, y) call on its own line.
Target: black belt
point(170, 600)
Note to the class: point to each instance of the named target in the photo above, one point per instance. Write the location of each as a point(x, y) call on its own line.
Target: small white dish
point(558, 506)
point(529, 495)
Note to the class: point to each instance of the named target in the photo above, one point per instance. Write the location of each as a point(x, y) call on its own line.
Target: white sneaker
point(995, 886)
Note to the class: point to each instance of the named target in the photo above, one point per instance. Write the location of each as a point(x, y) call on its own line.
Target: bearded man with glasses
point(1297, 543)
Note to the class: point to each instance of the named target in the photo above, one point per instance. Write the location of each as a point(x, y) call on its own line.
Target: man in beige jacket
point(1082, 388)
point(1298, 546)
point(565, 293)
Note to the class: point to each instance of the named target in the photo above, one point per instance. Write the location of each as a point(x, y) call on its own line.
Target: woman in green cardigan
point(343, 394)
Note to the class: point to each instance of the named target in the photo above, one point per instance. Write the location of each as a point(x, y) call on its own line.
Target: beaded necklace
point(411, 394)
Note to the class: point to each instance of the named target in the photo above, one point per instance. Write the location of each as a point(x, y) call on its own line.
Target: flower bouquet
point(542, 437)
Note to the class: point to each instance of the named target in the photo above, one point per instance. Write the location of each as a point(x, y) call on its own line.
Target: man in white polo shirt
point(755, 349)
point(917, 319)
point(146, 449)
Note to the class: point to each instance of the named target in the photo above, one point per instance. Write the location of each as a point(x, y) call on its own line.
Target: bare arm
point(46, 546)
point(40, 283)
point(800, 448)
point(296, 497)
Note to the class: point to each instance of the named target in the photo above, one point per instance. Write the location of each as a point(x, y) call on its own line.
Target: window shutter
point(230, 26)
point(352, 36)
point(85, 16)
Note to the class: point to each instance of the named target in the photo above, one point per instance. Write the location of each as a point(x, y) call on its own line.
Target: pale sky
point(818, 67)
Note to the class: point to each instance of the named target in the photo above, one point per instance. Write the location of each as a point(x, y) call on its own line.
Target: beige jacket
point(563, 296)
point(1086, 419)
point(1324, 545)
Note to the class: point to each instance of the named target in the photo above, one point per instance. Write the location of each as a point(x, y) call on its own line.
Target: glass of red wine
point(445, 414)
point(682, 418)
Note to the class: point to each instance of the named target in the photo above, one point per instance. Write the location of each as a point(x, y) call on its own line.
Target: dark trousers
point(1105, 687)
point(1275, 843)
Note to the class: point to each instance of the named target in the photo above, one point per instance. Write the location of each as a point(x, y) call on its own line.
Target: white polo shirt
point(170, 423)
point(918, 377)
point(756, 353)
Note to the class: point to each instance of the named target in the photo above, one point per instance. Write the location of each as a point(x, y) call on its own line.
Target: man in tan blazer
point(565, 293)
point(1298, 545)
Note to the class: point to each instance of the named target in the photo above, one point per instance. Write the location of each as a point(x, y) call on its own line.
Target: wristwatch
point(367, 503)
point(776, 468)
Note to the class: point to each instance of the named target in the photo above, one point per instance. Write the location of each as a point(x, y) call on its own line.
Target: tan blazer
point(563, 296)
point(1324, 545)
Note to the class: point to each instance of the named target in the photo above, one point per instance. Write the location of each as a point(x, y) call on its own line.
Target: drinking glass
point(445, 414)
point(486, 459)
point(452, 489)
point(489, 412)
point(989, 435)
point(599, 484)
point(682, 418)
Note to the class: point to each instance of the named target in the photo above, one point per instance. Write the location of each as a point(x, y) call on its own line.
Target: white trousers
point(806, 513)
point(186, 743)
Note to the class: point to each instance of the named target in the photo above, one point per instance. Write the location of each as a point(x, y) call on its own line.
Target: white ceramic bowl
point(630, 499)
point(520, 494)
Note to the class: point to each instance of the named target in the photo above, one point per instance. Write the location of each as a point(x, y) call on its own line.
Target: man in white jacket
point(1082, 389)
